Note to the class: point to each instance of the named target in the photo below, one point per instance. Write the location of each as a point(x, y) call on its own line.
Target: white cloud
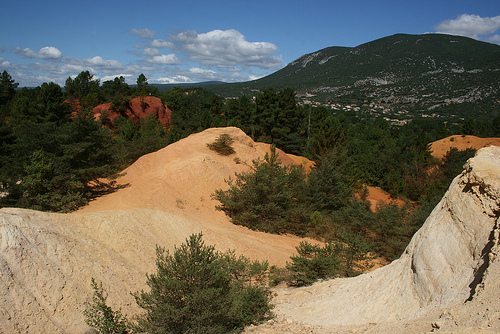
point(494, 39)
point(470, 25)
point(170, 59)
point(47, 52)
point(100, 62)
point(174, 79)
point(161, 44)
point(197, 70)
point(150, 52)
point(143, 33)
point(227, 48)
point(112, 77)
point(27, 52)
point(5, 64)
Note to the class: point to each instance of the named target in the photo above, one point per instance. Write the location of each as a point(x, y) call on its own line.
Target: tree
point(222, 145)
point(7, 90)
point(343, 258)
point(41, 104)
point(314, 262)
point(268, 198)
point(60, 166)
point(142, 81)
point(329, 188)
point(100, 316)
point(200, 290)
point(83, 88)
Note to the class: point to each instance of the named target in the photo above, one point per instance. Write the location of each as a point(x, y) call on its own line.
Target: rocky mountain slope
point(416, 72)
point(47, 259)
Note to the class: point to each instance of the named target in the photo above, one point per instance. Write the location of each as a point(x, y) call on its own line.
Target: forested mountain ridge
point(426, 72)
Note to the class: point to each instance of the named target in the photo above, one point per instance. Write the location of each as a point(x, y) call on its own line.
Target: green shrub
point(101, 317)
point(199, 290)
point(344, 258)
point(222, 144)
point(315, 262)
point(267, 198)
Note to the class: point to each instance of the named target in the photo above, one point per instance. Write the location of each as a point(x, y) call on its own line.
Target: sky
point(189, 41)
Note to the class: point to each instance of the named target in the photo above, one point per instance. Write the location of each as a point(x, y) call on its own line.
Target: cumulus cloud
point(170, 59)
point(161, 44)
point(494, 39)
point(143, 33)
point(47, 52)
point(5, 64)
point(112, 77)
point(150, 52)
point(227, 48)
point(98, 61)
point(470, 25)
point(173, 79)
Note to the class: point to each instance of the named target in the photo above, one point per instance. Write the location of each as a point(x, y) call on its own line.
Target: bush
point(267, 198)
point(199, 290)
point(314, 262)
point(101, 317)
point(345, 258)
point(222, 145)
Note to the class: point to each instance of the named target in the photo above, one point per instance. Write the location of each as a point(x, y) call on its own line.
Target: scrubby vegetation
point(100, 316)
point(222, 145)
point(200, 290)
point(196, 289)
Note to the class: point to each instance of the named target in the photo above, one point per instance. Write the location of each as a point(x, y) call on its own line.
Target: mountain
point(426, 72)
point(167, 87)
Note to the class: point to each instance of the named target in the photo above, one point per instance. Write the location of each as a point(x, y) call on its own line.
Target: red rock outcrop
point(138, 108)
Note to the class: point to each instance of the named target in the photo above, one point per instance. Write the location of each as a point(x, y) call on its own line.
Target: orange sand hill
point(440, 147)
point(377, 195)
point(135, 111)
point(180, 178)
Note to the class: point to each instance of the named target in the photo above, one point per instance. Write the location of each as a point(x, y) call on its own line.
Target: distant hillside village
point(373, 110)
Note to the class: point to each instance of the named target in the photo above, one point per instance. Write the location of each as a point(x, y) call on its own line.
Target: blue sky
point(194, 41)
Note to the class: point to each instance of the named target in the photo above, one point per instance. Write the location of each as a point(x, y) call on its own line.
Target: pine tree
point(200, 290)
point(101, 317)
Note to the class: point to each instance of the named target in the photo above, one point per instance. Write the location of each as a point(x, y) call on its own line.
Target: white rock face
point(444, 264)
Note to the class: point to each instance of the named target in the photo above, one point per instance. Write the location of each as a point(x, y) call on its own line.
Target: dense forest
point(54, 156)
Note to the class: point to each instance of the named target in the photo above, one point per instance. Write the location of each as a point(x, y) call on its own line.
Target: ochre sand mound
point(138, 109)
point(440, 147)
point(181, 178)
